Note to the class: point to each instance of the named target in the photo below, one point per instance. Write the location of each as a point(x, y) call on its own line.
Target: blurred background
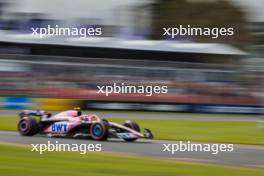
point(203, 75)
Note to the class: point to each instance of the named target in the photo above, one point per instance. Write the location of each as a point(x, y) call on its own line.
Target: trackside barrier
point(191, 108)
point(49, 104)
point(53, 104)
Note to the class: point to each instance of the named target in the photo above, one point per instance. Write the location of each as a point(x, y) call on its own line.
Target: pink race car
point(73, 123)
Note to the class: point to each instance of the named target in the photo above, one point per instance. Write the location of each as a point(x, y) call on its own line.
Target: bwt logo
point(59, 127)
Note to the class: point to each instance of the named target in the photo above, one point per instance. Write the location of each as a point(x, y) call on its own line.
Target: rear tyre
point(28, 127)
point(134, 126)
point(99, 131)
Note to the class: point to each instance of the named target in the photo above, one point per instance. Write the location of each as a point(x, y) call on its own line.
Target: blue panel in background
point(15, 102)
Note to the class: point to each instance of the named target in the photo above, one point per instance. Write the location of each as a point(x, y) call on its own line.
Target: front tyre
point(134, 126)
point(28, 127)
point(99, 131)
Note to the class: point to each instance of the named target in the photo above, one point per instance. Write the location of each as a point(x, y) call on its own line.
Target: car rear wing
point(36, 113)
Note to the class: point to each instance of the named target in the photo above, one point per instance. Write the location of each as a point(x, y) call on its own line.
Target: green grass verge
point(8, 123)
point(20, 161)
point(240, 132)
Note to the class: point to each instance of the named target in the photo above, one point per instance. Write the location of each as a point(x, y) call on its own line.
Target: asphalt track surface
point(243, 155)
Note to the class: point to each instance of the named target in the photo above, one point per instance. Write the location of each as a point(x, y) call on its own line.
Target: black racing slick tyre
point(134, 126)
point(99, 131)
point(28, 127)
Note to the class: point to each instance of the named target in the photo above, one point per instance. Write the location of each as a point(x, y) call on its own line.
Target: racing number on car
point(59, 127)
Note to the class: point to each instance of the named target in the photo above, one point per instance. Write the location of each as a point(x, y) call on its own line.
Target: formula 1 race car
point(72, 123)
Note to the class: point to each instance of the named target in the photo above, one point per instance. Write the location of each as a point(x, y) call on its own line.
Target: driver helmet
point(79, 111)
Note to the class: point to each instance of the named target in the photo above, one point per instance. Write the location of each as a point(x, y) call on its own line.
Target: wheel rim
point(97, 130)
point(23, 126)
